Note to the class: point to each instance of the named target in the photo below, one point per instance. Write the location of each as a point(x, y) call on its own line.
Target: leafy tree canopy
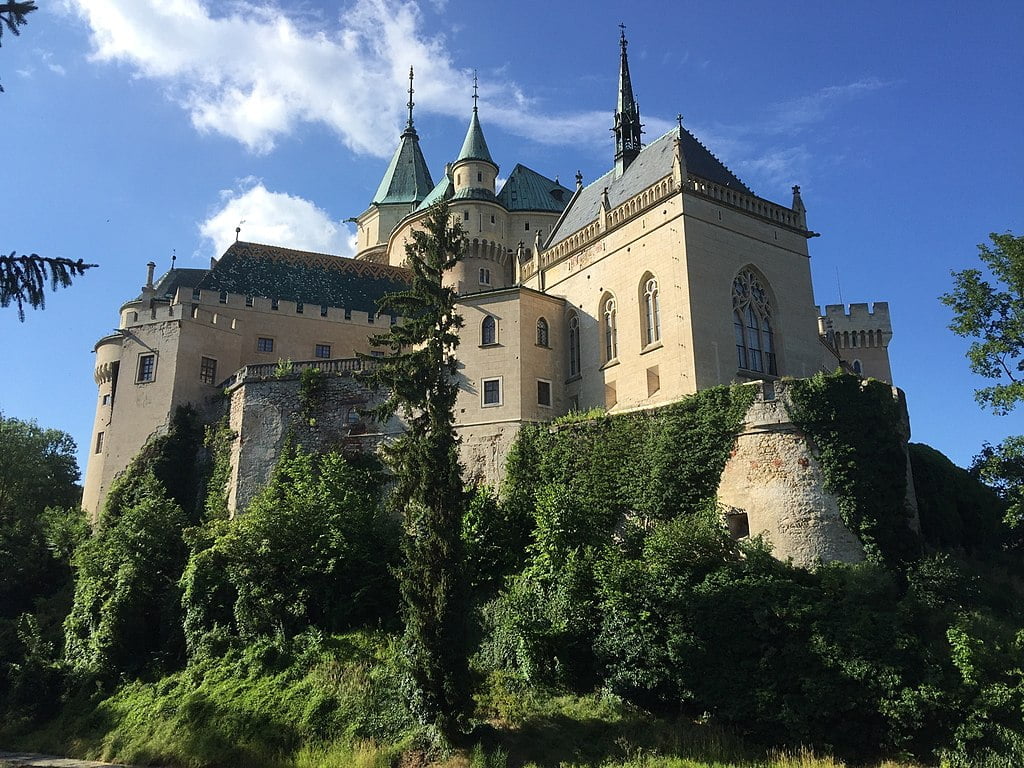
point(37, 469)
point(990, 309)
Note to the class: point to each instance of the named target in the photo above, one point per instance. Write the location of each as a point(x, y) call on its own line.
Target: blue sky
point(135, 129)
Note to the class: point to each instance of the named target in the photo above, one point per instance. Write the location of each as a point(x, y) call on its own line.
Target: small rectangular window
point(208, 370)
point(465, 215)
point(273, 304)
point(370, 318)
point(492, 218)
point(527, 225)
point(544, 393)
point(491, 392)
point(322, 350)
point(264, 344)
point(196, 294)
point(348, 314)
point(479, 176)
point(99, 442)
point(248, 301)
point(485, 276)
point(300, 308)
point(223, 298)
point(147, 368)
point(376, 353)
point(106, 399)
point(323, 310)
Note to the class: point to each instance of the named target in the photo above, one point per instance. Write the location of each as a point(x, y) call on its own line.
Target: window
point(196, 294)
point(394, 319)
point(264, 344)
point(465, 215)
point(479, 176)
point(273, 304)
point(489, 331)
point(207, 370)
point(348, 314)
point(485, 276)
point(248, 301)
point(370, 318)
point(492, 218)
point(544, 393)
point(574, 345)
point(543, 333)
point(609, 329)
point(147, 368)
point(99, 442)
point(323, 310)
point(106, 399)
point(651, 310)
point(300, 308)
point(351, 416)
point(491, 392)
point(376, 353)
point(527, 226)
point(322, 350)
point(857, 367)
point(223, 298)
point(752, 325)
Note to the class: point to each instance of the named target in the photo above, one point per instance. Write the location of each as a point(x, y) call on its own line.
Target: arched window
point(574, 345)
point(752, 324)
point(489, 331)
point(609, 328)
point(649, 301)
point(543, 336)
point(857, 367)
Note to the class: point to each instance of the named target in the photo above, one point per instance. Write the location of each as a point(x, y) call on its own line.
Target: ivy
point(857, 428)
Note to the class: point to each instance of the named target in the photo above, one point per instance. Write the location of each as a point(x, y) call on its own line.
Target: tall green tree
point(990, 309)
point(420, 381)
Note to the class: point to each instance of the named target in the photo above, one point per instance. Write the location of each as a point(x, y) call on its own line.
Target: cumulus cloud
point(274, 218)
point(253, 72)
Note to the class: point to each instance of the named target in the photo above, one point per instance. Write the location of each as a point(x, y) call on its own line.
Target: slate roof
point(475, 146)
point(251, 269)
point(407, 179)
point(654, 162)
point(173, 279)
point(527, 190)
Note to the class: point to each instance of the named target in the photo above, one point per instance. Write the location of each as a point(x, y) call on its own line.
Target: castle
point(664, 276)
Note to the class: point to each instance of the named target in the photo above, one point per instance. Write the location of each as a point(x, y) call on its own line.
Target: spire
point(409, 129)
point(407, 179)
point(475, 146)
point(627, 127)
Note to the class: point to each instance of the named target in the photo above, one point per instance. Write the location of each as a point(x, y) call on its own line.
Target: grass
point(338, 703)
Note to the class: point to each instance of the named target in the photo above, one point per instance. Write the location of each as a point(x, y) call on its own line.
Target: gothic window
point(609, 329)
point(752, 324)
point(574, 345)
point(543, 336)
point(649, 303)
point(857, 367)
point(489, 331)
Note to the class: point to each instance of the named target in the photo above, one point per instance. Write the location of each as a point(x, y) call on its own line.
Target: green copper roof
point(475, 146)
point(443, 191)
point(407, 179)
point(527, 190)
point(251, 269)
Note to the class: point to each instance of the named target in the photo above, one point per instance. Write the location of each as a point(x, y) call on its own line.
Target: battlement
point(859, 315)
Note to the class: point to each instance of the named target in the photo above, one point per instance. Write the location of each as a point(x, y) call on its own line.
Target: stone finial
point(604, 199)
point(579, 179)
point(798, 203)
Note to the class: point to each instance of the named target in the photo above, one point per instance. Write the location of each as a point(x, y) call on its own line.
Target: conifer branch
point(23, 278)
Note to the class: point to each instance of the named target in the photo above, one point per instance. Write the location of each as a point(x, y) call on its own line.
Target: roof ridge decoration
point(407, 179)
point(474, 147)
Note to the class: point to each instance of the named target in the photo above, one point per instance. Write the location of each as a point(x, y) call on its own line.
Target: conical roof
point(407, 179)
point(475, 146)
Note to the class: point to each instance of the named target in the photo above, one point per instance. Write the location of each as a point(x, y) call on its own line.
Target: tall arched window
point(752, 324)
point(649, 303)
point(489, 331)
point(574, 345)
point(609, 328)
point(543, 334)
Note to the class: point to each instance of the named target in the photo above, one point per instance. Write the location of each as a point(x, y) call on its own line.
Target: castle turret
point(862, 337)
point(627, 128)
point(475, 172)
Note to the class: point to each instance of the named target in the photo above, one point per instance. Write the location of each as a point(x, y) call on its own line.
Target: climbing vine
point(857, 428)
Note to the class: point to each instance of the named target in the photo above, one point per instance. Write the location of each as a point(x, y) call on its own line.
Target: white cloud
point(275, 218)
point(254, 72)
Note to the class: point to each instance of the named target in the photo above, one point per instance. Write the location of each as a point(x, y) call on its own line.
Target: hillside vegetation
point(615, 622)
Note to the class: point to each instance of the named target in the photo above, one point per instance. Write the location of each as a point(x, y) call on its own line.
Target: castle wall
point(720, 242)
point(862, 335)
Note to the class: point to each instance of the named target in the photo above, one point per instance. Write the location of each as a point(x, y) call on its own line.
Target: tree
point(12, 16)
point(23, 278)
point(420, 381)
point(993, 313)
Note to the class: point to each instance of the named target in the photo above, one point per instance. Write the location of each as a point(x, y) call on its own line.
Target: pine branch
point(12, 15)
point(23, 279)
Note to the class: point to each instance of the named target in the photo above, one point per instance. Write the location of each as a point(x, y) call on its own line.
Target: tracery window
point(651, 309)
point(489, 331)
point(752, 324)
point(609, 328)
point(574, 345)
point(543, 333)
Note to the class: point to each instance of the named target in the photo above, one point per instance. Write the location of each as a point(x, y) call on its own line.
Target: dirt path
point(12, 759)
